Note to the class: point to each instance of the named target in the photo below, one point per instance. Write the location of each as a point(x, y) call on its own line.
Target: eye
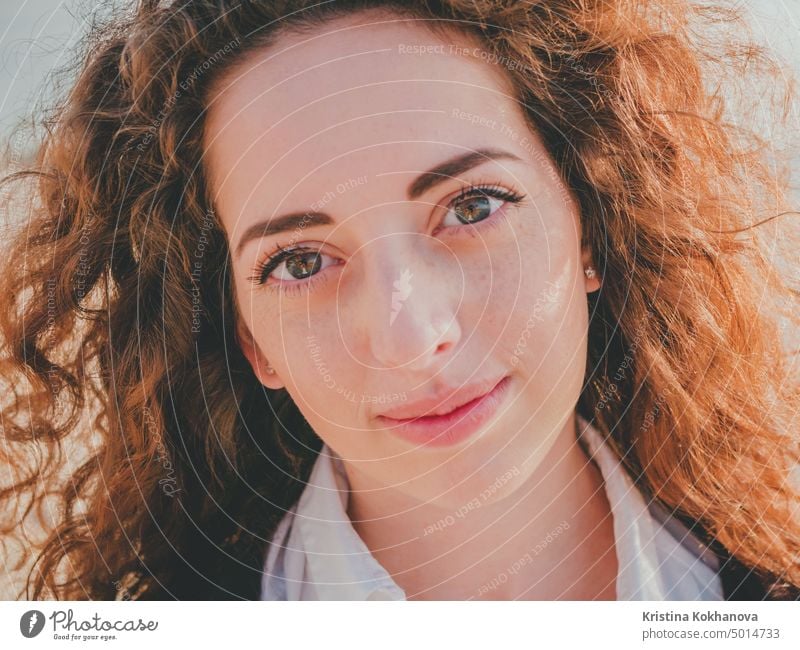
point(299, 268)
point(477, 203)
point(291, 266)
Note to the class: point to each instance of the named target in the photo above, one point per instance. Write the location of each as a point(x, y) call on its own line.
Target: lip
point(442, 402)
point(453, 426)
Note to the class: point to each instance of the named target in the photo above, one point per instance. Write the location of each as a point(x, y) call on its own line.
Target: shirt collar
point(323, 557)
point(633, 527)
point(659, 559)
point(316, 553)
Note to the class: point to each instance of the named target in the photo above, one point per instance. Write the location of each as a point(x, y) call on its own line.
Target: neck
point(552, 539)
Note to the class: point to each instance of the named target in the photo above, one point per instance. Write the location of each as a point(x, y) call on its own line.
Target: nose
point(410, 296)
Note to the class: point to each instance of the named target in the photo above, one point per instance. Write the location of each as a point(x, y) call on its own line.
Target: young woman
point(405, 300)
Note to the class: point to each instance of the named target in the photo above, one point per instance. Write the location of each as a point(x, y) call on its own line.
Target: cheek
point(316, 369)
point(547, 342)
point(531, 299)
point(302, 347)
point(325, 383)
point(539, 308)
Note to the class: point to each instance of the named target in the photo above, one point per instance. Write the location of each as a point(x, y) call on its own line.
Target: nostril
point(444, 346)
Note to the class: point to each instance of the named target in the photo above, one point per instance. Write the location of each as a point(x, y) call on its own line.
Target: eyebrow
point(424, 182)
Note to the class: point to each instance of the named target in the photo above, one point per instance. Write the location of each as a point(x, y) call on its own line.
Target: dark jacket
point(741, 583)
point(738, 582)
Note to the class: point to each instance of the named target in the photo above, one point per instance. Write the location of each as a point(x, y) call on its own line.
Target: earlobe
point(591, 276)
point(261, 367)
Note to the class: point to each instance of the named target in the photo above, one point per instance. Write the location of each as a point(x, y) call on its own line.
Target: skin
point(348, 119)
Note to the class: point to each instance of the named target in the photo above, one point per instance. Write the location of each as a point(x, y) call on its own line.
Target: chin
point(468, 480)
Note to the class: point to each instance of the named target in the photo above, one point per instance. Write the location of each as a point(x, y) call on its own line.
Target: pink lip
point(442, 402)
point(452, 427)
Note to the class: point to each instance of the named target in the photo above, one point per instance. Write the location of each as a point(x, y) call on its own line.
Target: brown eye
point(471, 209)
point(292, 264)
point(304, 265)
point(475, 204)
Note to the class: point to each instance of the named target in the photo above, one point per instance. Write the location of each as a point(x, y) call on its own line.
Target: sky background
point(36, 36)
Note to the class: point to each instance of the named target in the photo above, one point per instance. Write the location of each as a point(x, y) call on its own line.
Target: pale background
point(36, 38)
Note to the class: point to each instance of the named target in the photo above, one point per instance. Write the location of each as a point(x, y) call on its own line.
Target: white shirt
point(318, 555)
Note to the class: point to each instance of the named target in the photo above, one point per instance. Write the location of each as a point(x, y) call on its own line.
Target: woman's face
point(443, 252)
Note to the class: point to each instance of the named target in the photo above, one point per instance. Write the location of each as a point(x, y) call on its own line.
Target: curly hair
point(188, 464)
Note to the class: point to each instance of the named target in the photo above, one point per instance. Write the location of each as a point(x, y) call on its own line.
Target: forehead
point(374, 92)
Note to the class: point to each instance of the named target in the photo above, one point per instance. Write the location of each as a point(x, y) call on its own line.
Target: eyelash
point(279, 254)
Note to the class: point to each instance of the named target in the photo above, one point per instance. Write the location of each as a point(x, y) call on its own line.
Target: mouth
point(454, 424)
point(444, 402)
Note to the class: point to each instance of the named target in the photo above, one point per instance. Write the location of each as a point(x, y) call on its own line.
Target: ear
point(257, 361)
point(592, 284)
